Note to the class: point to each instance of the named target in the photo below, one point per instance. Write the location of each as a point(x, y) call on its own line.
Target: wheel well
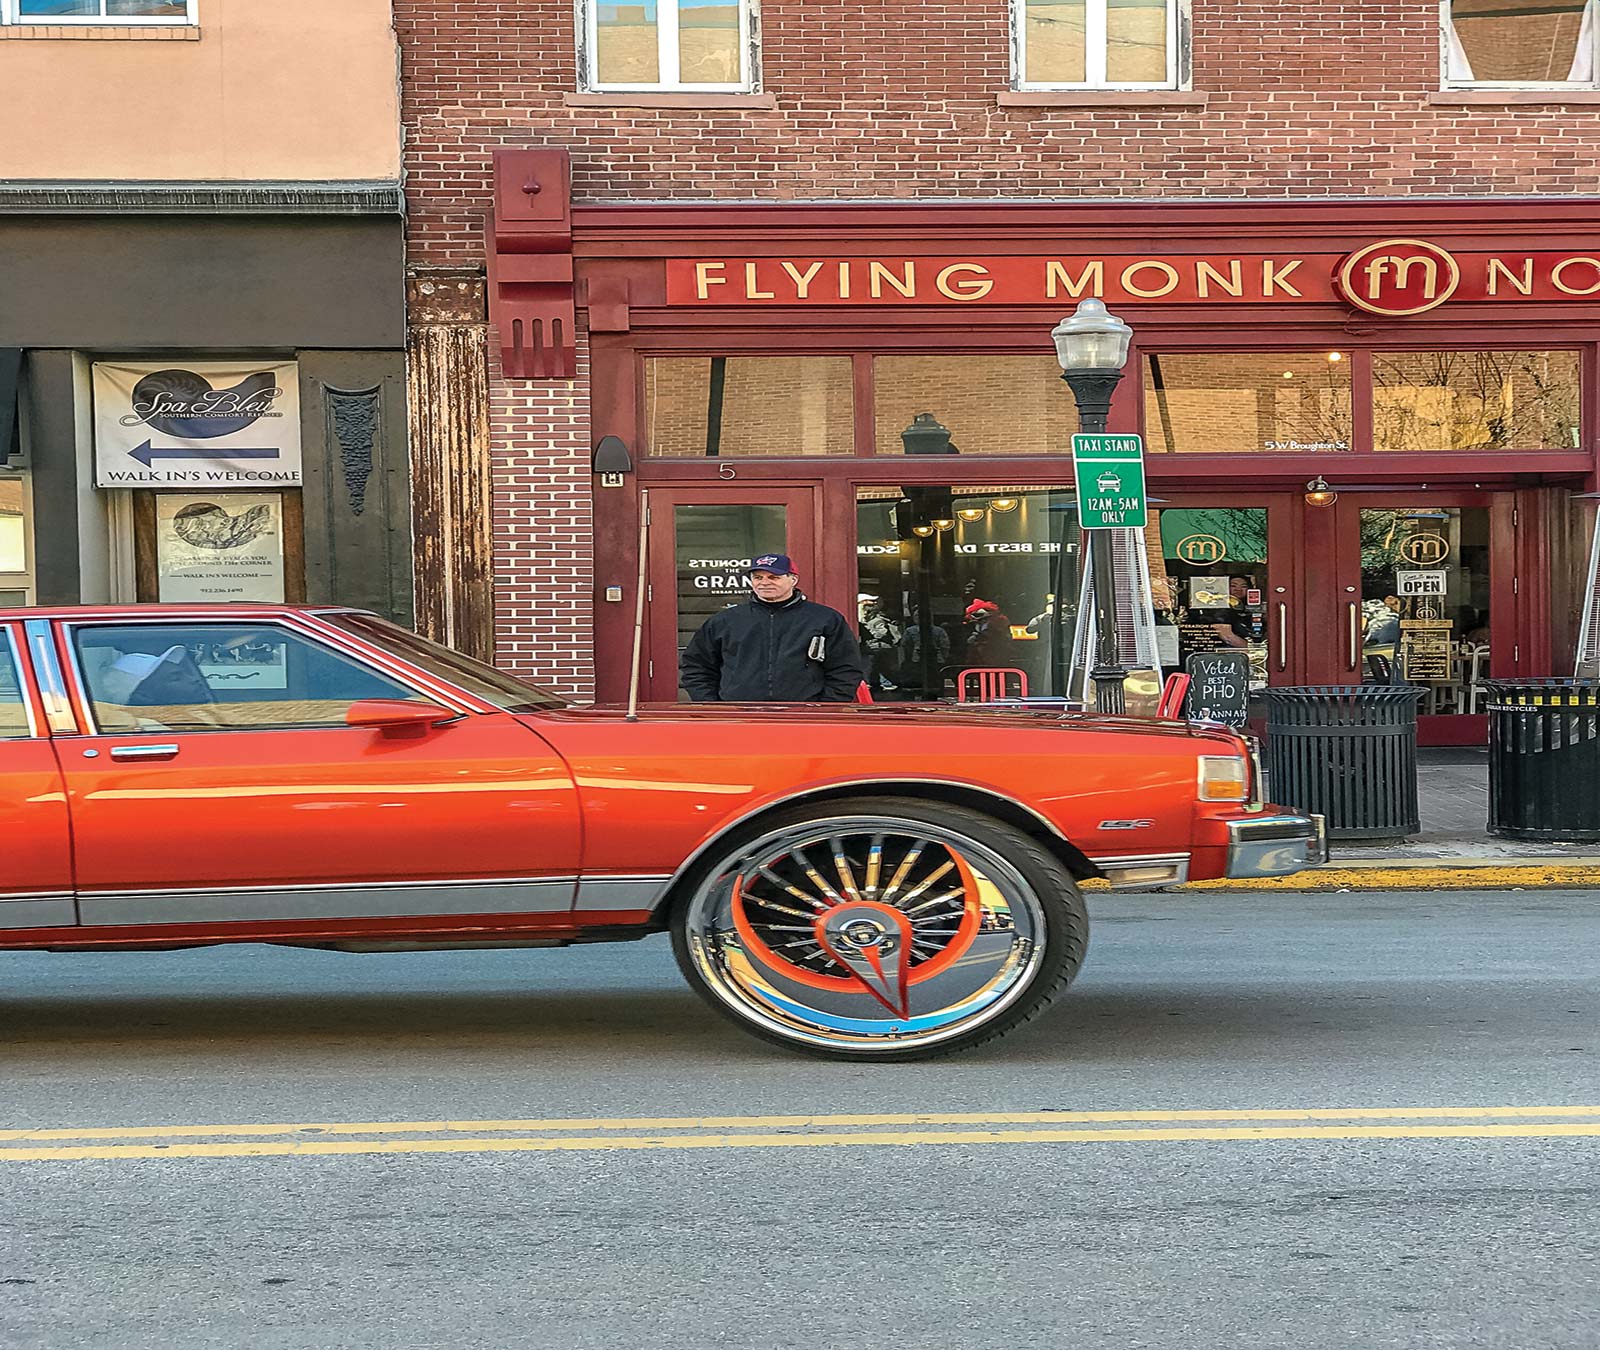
point(951, 794)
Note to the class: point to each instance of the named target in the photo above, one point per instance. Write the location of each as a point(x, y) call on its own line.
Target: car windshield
point(480, 680)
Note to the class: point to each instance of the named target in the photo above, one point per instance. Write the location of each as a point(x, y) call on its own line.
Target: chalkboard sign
point(1219, 686)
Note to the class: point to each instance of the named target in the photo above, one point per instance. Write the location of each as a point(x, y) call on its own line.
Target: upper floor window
point(98, 11)
point(669, 44)
point(1532, 44)
point(1099, 44)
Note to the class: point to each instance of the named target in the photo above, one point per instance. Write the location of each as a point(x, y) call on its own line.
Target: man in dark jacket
point(778, 647)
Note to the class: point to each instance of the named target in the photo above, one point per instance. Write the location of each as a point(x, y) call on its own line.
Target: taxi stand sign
point(1110, 479)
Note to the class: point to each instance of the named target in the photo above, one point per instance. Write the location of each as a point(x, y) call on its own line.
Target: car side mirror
point(396, 715)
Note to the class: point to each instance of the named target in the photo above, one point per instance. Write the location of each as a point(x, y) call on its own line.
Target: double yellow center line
point(602, 1134)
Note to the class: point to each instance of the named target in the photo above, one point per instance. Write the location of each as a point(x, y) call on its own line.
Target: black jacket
point(761, 653)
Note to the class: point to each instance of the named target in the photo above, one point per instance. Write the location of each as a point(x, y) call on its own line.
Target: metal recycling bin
point(1544, 760)
point(1348, 753)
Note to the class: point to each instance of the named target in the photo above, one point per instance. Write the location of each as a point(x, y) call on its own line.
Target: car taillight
point(1224, 778)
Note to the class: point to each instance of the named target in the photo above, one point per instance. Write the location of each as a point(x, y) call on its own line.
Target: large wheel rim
point(866, 933)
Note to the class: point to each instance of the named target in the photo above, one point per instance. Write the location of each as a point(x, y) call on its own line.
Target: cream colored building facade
point(198, 184)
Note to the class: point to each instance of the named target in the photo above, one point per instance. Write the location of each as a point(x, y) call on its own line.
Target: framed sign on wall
point(216, 548)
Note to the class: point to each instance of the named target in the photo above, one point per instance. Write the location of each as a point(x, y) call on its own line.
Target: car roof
point(152, 611)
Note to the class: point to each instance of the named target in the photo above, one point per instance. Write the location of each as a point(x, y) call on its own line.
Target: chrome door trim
point(602, 895)
point(376, 900)
point(38, 909)
point(9, 633)
point(52, 684)
point(137, 752)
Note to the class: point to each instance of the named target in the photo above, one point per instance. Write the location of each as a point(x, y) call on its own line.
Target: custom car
point(873, 882)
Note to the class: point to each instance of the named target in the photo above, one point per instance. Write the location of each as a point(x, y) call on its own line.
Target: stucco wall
point(292, 89)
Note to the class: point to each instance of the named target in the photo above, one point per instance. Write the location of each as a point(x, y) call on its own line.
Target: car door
point(220, 782)
point(36, 880)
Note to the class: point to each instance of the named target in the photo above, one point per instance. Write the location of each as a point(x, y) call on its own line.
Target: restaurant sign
point(1392, 277)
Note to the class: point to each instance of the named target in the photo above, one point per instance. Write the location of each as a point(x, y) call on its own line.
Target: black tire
point(1040, 897)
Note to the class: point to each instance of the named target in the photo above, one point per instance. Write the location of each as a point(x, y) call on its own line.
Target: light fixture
point(943, 523)
point(1336, 356)
point(611, 461)
point(1318, 493)
point(972, 513)
point(1091, 339)
point(927, 436)
point(922, 531)
point(1003, 504)
point(1288, 374)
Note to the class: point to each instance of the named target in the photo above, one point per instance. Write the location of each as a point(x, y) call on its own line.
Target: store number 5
point(726, 471)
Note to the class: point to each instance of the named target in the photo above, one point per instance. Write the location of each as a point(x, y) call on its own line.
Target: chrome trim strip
point(9, 633)
point(603, 894)
point(551, 895)
point(47, 673)
point(37, 911)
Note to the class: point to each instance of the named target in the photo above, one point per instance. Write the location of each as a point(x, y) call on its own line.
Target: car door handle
point(144, 752)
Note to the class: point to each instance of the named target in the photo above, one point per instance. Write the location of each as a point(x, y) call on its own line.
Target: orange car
point(882, 882)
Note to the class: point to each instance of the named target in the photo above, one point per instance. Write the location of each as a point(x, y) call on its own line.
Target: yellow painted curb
point(1416, 877)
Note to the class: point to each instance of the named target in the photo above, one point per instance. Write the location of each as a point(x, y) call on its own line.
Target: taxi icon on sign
point(1109, 482)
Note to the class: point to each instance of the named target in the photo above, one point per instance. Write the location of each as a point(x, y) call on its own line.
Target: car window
point(483, 681)
point(221, 677)
point(13, 710)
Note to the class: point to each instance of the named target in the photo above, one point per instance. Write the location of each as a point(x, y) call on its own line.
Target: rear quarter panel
point(652, 793)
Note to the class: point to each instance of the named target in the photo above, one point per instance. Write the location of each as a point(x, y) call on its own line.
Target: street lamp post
point(1092, 347)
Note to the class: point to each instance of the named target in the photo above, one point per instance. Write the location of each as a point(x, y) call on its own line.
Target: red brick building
point(1354, 241)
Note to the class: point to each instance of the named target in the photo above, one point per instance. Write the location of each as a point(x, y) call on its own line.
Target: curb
point(1426, 875)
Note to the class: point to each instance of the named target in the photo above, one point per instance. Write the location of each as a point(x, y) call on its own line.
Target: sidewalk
point(1454, 851)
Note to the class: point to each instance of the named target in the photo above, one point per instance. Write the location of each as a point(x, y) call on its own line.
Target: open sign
point(1419, 583)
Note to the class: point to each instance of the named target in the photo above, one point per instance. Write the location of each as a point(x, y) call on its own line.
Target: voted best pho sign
point(1110, 473)
point(202, 424)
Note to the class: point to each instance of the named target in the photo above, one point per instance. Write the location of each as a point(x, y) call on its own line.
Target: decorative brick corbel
point(530, 265)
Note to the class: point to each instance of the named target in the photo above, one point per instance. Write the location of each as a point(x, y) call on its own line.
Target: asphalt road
point(564, 1149)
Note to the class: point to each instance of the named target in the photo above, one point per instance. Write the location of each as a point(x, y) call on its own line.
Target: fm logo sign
point(1399, 277)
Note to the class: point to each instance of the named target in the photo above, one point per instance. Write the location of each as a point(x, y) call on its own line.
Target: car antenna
point(638, 605)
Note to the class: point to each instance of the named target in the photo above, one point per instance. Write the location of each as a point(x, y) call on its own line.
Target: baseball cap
point(778, 564)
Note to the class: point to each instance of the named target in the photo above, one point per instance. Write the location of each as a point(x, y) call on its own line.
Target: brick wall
point(897, 99)
point(543, 528)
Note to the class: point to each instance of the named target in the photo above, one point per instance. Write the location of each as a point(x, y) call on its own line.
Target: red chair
point(1173, 693)
point(989, 683)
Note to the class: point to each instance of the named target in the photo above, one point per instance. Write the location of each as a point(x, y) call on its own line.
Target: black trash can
point(1544, 760)
point(1347, 752)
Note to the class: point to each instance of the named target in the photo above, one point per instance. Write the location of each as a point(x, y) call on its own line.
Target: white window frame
point(1095, 54)
point(667, 53)
point(1447, 35)
point(11, 13)
point(23, 580)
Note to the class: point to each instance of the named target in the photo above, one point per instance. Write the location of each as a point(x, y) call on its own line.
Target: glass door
point(1419, 602)
point(1226, 572)
point(700, 542)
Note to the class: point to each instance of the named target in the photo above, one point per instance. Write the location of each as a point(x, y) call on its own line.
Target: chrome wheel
point(866, 933)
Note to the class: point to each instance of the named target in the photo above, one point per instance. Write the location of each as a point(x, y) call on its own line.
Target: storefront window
point(1425, 589)
point(1240, 403)
point(1210, 592)
point(955, 579)
point(1475, 401)
point(13, 542)
point(743, 406)
point(990, 405)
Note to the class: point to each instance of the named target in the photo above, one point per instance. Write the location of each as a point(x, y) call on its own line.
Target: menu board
point(1219, 687)
point(1425, 649)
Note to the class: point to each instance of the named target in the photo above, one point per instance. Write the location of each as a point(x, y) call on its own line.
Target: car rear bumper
point(1276, 846)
